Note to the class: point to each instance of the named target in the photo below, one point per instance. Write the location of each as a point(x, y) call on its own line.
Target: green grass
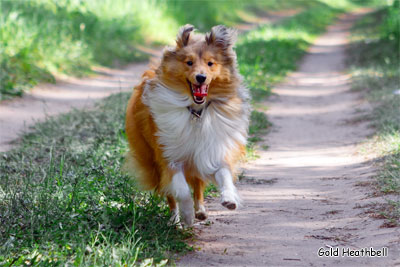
point(40, 38)
point(63, 196)
point(374, 63)
point(43, 38)
point(64, 199)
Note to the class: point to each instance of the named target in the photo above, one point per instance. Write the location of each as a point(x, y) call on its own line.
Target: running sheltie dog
point(187, 122)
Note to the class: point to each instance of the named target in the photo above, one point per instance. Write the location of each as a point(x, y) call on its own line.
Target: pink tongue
point(201, 90)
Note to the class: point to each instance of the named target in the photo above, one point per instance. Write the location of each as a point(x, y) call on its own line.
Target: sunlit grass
point(374, 63)
point(40, 38)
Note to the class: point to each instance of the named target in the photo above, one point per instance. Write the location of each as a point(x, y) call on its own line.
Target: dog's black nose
point(201, 78)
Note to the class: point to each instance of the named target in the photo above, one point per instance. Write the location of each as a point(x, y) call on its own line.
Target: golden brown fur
point(216, 60)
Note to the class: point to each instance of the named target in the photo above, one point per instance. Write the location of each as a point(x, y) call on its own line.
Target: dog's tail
point(145, 179)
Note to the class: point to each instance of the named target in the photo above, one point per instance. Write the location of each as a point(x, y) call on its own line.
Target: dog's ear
point(221, 37)
point(183, 36)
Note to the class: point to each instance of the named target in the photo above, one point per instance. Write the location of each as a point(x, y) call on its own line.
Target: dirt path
point(18, 114)
point(304, 192)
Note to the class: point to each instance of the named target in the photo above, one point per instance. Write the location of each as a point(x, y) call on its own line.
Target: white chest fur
point(204, 142)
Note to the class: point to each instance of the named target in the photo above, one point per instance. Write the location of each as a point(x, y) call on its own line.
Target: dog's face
point(201, 66)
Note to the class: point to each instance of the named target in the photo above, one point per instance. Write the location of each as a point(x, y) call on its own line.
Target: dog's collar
point(197, 113)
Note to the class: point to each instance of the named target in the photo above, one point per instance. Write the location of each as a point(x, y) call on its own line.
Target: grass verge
point(374, 64)
point(63, 197)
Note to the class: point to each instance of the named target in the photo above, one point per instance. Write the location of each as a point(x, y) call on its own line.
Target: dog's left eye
point(210, 63)
point(190, 63)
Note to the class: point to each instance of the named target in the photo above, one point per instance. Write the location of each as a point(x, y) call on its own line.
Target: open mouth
point(199, 92)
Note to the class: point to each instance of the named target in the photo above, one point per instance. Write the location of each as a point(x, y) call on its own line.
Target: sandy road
point(303, 193)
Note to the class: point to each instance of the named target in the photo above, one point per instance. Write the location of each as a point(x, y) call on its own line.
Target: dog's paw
point(230, 199)
point(229, 205)
point(201, 215)
point(186, 211)
point(187, 218)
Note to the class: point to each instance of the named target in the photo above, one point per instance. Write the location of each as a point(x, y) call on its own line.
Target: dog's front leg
point(229, 196)
point(179, 188)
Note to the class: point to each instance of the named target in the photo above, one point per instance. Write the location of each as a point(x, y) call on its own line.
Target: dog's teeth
point(203, 89)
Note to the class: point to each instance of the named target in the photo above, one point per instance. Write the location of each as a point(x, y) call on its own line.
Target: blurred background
point(39, 38)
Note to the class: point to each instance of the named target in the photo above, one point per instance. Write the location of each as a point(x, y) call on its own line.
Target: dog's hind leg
point(198, 191)
point(229, 196)
point(179, 189)
point(174, 209)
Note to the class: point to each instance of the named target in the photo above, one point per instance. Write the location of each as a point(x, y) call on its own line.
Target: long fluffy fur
point(204, 143)
point(164, 136)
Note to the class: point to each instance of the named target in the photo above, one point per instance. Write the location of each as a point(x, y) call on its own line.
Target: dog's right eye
point(190, 63)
